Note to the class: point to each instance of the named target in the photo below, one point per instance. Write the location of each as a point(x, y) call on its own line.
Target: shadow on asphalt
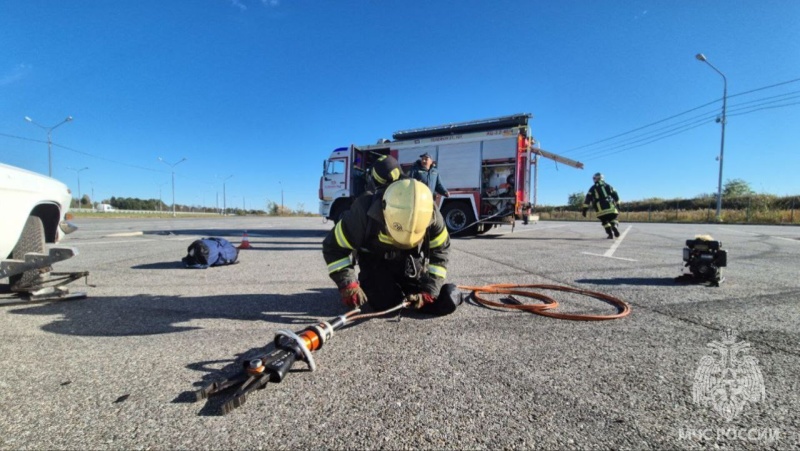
point(232, 369)
point(104, 316)
point(142, 315)
point(160, 265)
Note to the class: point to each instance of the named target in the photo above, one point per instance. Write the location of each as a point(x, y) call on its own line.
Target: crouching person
point(397, 237)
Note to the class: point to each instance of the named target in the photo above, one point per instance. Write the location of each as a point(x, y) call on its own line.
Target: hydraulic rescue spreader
point(257, 372)
point(290, 347)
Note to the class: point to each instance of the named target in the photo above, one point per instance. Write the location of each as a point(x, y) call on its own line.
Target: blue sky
point(264, 90)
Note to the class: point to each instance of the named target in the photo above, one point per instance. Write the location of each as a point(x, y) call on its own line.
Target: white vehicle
point(34, 209)
point(105, 208)
point(484, 164)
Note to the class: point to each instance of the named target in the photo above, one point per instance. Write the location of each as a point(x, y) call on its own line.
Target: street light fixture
point(172, 166)
point(79, 183)
point(722, 120)
point(225, 196)
point(49, 141)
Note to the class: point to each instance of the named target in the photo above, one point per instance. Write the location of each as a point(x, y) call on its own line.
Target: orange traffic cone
point(245, 242)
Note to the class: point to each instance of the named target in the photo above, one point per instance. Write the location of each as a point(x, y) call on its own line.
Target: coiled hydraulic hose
point(547, 309)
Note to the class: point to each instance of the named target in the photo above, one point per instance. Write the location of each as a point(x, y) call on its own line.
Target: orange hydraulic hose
point(546, 309)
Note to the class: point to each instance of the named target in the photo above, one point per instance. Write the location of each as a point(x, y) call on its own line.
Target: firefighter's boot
point(615, 230)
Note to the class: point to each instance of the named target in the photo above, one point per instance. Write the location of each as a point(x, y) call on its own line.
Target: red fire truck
point(484, 164)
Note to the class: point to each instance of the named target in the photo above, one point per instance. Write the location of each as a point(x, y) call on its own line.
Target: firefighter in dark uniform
point(604, 200)
point(424, 171)
point(397, 237)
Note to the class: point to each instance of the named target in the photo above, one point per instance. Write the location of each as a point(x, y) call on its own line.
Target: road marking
point(794, 240)
point(85, 243)
point(125, 234)
point(772, 236)
point(608, 256)
point(528, 229)
point(610, 252)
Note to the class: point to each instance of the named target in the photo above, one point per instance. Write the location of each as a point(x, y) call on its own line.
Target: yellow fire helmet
point(408, 211)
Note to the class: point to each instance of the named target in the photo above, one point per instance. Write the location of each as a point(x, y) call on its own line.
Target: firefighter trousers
point(610, 223)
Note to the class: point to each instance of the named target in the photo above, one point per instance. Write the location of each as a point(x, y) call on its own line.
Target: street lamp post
point(79, 183)
point(225, 196)
point(281, 184)
point(160, 202)
point(49, 140)
point(722, 120)
point(172, 166)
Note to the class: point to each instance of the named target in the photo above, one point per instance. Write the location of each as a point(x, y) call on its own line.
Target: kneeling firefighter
point(397, 237)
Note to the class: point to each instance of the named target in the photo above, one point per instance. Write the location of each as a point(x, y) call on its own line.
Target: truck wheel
point(31, 240)
point(457, 216)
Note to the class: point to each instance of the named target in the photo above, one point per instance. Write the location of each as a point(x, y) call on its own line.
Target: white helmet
point(408, 211)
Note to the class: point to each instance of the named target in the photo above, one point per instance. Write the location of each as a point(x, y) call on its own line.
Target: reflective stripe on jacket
point(350, 234)
point(602, 198)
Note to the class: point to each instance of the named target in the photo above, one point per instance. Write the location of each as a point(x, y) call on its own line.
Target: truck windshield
point(335, 167)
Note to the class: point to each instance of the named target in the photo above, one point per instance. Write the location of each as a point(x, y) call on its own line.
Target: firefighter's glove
point(583, 212)
point(418, 300)
point(352, 295)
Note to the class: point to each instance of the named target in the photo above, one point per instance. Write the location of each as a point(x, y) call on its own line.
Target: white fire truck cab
point(484, 164)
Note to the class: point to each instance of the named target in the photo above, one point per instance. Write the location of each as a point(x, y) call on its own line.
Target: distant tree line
point(273, 209)
point(133, 203)
point(736, 195)
point(748, 201)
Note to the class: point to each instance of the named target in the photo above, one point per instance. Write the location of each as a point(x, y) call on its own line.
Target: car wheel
point(32, 240)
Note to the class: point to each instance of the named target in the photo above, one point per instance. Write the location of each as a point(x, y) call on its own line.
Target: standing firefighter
point(604, 199)
point(399, 241)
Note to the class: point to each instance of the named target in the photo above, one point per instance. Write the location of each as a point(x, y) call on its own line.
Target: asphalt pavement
point(691, 367)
